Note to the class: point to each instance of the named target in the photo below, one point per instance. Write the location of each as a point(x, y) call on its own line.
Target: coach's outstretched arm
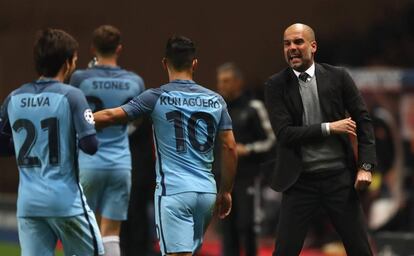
point(228, 172)
point(109, 117)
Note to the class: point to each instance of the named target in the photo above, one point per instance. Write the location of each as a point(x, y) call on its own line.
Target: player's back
point(41, 116)
point(108, 87)
point(186, 120)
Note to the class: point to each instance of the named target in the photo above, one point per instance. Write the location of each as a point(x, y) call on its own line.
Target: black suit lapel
point(323, 84)
point(293, 95)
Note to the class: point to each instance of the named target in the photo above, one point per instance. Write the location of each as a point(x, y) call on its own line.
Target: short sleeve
point(82, 115)
point(225, 120)
point(4, 118)
point(141, 104)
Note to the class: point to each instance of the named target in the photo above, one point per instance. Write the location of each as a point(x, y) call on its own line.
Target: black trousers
point(334, 192)
point(238, 227)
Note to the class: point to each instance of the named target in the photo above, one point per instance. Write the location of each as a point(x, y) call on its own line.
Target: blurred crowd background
point(373, 39)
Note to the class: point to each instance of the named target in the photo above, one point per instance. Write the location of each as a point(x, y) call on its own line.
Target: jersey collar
point(182, 81)
point(106, 67)
point(46, 80)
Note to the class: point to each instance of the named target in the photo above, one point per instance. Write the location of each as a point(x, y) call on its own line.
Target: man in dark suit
point(315, 165)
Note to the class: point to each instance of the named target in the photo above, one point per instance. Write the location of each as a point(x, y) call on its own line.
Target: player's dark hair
point(180, 52)
point(105, 39)
point(52, 48)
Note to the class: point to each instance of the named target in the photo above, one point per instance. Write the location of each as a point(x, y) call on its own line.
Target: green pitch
point(14, 250)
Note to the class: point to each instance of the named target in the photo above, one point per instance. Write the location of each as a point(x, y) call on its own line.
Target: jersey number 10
point(177, 118)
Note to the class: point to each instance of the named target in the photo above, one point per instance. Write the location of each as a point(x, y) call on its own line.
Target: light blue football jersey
point(186, 118)
point(46, 118)
point(108, 87)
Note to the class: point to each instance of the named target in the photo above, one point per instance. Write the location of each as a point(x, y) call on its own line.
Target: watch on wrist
point(367, 167)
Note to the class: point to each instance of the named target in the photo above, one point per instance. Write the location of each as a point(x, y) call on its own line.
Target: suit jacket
point(338, 96)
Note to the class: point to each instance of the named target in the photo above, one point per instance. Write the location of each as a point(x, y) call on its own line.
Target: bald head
point(307, 31)
point(299, 46)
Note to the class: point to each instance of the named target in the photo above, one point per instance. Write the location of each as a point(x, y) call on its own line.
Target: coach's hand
point(347, 126)
point(363, 179)
point(223, 205)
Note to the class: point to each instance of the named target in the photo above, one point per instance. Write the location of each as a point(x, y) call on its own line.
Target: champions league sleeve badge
point(89, 116)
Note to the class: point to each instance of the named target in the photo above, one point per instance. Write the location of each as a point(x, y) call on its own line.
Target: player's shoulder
point(6, 101)
point(24, 88)
point(125, 73)
point(70, 92)
point(151, 94)
point(79, 76)
point(207, 91)
point(82, 73)
point(131, 74)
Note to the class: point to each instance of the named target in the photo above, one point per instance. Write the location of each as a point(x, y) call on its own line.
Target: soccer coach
point(315, 165)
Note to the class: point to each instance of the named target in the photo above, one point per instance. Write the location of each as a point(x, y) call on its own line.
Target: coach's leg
point(299, 204)
point(343, 206)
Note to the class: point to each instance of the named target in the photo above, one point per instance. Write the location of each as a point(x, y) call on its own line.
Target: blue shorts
point(107, 192)
point(182, 219)
point(79, 235)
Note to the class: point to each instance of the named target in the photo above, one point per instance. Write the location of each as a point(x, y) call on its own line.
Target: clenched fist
point(363, 179)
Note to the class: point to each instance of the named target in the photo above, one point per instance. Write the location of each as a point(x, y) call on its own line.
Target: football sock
point(111, 245)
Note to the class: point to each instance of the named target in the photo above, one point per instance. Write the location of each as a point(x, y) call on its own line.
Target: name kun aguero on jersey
point(192, 102)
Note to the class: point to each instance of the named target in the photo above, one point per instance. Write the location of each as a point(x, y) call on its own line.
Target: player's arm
point(228, 173)
point(89, 144)
point(109, 117)
point(6, 142)
point(134, 109)
point(83, 121)
point(6, 139)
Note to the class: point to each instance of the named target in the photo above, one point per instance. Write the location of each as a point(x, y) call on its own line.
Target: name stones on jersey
point(28, 102)
point(113, 85)
point(192, 102)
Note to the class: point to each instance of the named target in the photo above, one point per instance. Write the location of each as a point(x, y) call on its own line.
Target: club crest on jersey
point(89, 116)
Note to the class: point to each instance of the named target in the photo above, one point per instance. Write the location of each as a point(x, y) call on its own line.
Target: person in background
point(106, 176)
point(254, 137)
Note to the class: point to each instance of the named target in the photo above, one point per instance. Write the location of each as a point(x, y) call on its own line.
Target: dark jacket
point(251, 128)
point(338, 96)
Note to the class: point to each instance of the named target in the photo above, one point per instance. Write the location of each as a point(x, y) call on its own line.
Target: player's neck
point(108, 61)
point(180, 75)
point(59, 77)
